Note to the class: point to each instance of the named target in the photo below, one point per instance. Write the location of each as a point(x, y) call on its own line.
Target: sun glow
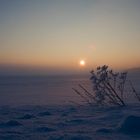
point(82, 63)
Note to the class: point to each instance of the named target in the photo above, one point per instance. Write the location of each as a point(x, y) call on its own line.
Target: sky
point(52, 36)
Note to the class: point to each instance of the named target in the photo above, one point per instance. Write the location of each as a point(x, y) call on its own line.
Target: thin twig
point(87, 93)
point(134, 91)
point(116, 94)
point(111, 96)
point(82, 96)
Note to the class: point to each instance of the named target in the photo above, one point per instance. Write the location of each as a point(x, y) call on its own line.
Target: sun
point(82, 63)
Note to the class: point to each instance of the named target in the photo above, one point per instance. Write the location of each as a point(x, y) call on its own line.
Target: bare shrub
point(108, 87)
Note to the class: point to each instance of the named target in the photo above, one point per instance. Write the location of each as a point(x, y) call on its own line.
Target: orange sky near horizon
point(56, 35)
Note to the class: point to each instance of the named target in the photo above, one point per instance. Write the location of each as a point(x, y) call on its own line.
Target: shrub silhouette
point(108, 87)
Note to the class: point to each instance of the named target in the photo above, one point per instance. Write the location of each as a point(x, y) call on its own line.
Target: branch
point(134, 91)
point(116, 94)
point(87, 93)
point(82, 96)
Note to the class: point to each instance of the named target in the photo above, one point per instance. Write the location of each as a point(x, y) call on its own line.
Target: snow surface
point(69, 123)
point(38, 108)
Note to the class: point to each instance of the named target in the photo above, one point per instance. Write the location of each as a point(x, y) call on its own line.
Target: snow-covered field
point(39, 109)
point(69, 123)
